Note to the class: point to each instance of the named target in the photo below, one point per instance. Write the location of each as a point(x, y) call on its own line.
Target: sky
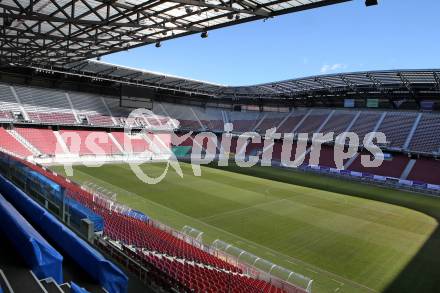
point(347, 37)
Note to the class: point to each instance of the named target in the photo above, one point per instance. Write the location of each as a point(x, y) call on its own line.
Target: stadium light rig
point(158, 45)
point(204, 35)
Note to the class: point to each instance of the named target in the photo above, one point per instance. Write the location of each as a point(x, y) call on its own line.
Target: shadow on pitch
point(422, 273)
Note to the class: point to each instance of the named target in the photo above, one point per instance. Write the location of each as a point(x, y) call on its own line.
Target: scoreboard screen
point(136, 97)
point(134, 102)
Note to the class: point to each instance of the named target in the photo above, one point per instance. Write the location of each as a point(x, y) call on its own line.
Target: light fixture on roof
point(230, 16)
point(204, 35)
point(237, 16)
point(158, 45)
point(188, 9)
point(370, 2)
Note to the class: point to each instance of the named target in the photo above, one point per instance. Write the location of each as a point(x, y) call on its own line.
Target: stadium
point(117, 179)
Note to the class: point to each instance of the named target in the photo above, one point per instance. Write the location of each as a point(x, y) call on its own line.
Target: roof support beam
point(405, 82)
point(324, 84)
point(437, 80)
point(300, 85)
point(49, 31)
point(255, 11)
point(349, 83)
point(132, 75)
point(107, 71)
point(375, 81)
point(79, 66)
point(75, 21)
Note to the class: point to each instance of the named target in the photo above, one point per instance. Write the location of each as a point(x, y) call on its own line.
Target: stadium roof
point(57, 32)
point(404, 81)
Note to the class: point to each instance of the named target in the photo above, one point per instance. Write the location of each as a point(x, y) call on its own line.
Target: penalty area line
point(340, 283)
point(240, 238)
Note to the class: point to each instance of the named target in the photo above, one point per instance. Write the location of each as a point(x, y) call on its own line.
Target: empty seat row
point(193, 268)
point(49, 106)
point(427, 135)
point(397, 127)
point(9, 144)
point(41, 138)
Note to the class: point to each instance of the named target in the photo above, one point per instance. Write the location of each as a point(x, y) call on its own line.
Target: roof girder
point(98, 27)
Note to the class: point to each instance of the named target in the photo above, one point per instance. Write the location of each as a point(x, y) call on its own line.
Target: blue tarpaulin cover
point(41, 257)
point(74, 288)
point(79, 212)
point(91, 261)
point(137, 215)
point(42, 179)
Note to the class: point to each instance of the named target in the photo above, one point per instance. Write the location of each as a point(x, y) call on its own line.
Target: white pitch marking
point(145, 200)
point(204, 219)
point(340, 283)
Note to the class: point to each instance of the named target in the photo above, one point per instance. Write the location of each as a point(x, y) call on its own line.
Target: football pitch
point(346, 236)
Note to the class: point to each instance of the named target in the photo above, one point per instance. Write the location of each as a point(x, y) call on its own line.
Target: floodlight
point(370, 2)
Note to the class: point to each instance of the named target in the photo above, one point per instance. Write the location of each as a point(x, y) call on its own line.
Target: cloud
point(334, 67)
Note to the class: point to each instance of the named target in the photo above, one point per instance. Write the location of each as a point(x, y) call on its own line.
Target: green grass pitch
point(346, 236)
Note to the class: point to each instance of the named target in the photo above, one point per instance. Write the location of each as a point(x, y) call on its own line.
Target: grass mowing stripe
point(347, 231)
point(320, 285)
point(273, 252)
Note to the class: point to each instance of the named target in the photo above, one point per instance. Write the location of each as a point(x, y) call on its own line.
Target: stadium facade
point(52, 116)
